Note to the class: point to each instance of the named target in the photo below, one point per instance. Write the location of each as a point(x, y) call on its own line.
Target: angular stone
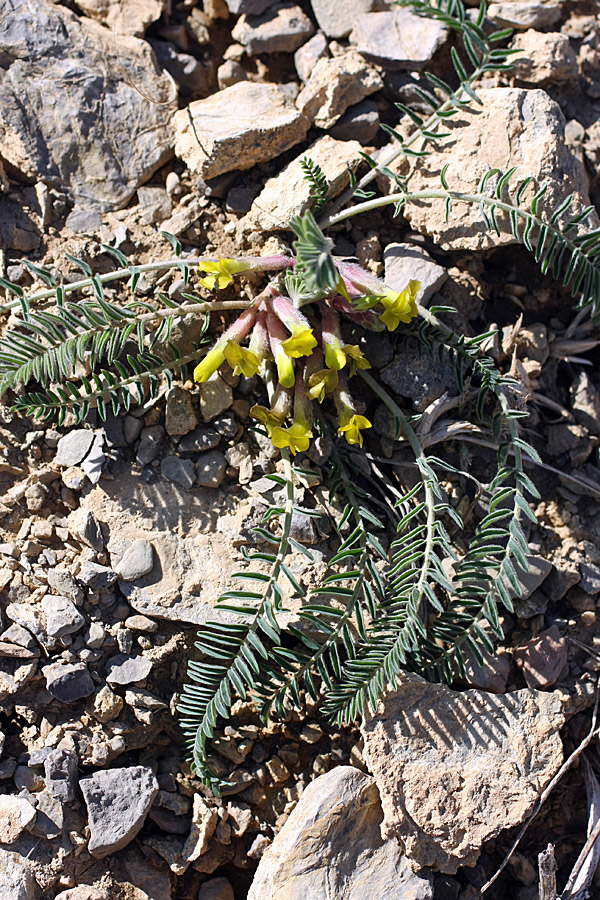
point(95, 576)
point(331, 846)
point(526, 13)
point(180, 415)
point(48, 52)
point(216, 889)
point(546, 58)
point(60, 772)
point(137, 561)
point(210, 469)
point(150, 441)
point(73, 447)
point(132, 17)
point(204, 822)
point(265, 124)
point(155, 204)
point(16, 815)
point(50, 819)
point(281, 29)
point(181, 471)
point(337, 19)
point(216, 396)
point(94, 462)
point(398, 39)
point(543, 658)
point(84, 525)
point(585, 402)
point(124, 669)
point(68, 681)
point(456, 769)
point(414, 374)
point(513, 127)
point(230, 72)
point(359, 123)
point(89, 892)
point(199, 440)
point(334, 85)
point(194, 76)
point(107, 705)
point(248, 7)
point(405, 261)
point(288, 194)
point(118, 801)
point(17, 881)
point(308, 54)
point(62, 616)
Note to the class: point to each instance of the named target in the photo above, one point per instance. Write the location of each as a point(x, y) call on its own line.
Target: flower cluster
point(312, 360)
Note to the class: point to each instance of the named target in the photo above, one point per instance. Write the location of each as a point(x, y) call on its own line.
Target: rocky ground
point(121, 119)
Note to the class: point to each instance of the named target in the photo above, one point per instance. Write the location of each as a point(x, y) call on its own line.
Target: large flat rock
point(514, 127)
point(455, 769)
point(331, 847)
point(72, 106)
point(236, 128)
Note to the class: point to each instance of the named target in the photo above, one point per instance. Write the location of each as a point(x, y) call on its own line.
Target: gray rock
point(94, 462)
point(216, 889)
point(95, 636)
point(124, 669)
point(49, 51)
point(539, 569)
point(63, 583)
point(193, 75)
point(590, 577)
point(210, 469)
point(95, 576)
point(181, 471)
point(334, 85)
point(132, 17)
point(155, 203)
point(216, 396)
point(335, 18)
point(62, 616)
point(281, 29)
point(50, 818)
point(239, 199)
point(265, 124)
point(309, 53)
point(73, 447)
point(85, 526)
point(117, 801)
point(83, 221)
point(150, 441)
point(226, 426)
point(131, 428)
point(446, 761)
point(230, 72)
point(313, 855)
point(113, 432)
point(415, 374)
point(137, 561)
point(585, 402)
point(17, 881)
point(398, 39)
point(68, 681)
point(248, 7)
point(405, 261)
point(359, 123)
point(526, 13)
point(60, 770)
point(180, 415)
point(16, 634)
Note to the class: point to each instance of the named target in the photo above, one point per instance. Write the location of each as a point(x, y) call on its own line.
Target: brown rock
point(16, 815)
point(331, 846)
point(245, 124)
point(514, 127)
point(336, 84)
point(546, 57)
point(455, 769)
point(543, 658)
point(131, 17)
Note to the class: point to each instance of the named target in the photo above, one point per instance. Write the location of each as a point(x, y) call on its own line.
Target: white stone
point(16, 815)
point(334, 85)
point(405, 261)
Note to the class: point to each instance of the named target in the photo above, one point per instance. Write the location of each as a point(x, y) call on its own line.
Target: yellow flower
point(399, 307)
point(285, 370)
point(209, 365)
point(269, 417)
point(321, 383)
point(351, 425)
point(221, 272)
point(241, 360)
point(355, 359)
point(335, 358)
point(301, 343)
point(296, 437)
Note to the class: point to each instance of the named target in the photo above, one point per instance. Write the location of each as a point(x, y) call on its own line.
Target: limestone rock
point(119, 141)
point(359, 123)
point(73, 447)
point(124, 669)
point(308, 54)
point(16, 815)
point(331, 846)
point(264, 125)
point(281, 29)
point(68, 681)
point(515, 127)
point(216, 396)
point(137, 561)
point(118, 801)
point(543, 658)
point(60, 773)
point(525, 13)
point(210, 469)
point(405, 261)
point(132, 17)
point(62, 616)
point(455, 769)
point(204, 822)
point(288, 194)
point(546, 58)
point(248, 7)
point(180, 415)
point(181, 471)
point(334, 85)
point(398, 39)
point(16, 877)
point(336, 19)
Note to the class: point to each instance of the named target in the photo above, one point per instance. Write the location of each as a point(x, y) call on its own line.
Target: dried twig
point(581, 860)
point(547, 870)
point(544, 796)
